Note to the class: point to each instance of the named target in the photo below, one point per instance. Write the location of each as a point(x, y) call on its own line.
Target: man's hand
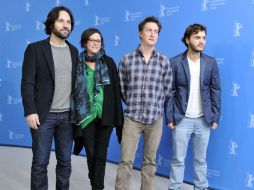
point(33, 121)
point(214, 126)
point(171, 125)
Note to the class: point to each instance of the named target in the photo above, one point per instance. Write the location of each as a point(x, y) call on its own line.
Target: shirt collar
point(139, 52)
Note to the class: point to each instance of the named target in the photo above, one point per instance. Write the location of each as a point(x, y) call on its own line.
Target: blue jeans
point(56, 126)
point(198, 129)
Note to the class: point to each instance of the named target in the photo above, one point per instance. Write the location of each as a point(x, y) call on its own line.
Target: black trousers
point(96, 140)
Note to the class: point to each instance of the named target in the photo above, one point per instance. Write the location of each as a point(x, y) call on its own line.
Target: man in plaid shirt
point(145, 79)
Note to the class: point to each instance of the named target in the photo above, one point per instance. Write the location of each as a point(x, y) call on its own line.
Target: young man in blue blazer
point(194, 107)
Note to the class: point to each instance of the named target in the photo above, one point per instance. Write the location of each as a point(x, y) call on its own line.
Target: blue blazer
point(176, 105)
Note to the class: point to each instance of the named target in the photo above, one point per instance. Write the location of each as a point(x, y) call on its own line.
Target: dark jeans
point(56, 126)
point(96, 141)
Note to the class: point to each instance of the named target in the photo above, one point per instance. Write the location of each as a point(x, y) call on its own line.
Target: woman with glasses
point(96, 105)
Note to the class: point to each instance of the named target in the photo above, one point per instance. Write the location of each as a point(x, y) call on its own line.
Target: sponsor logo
point(251, 121)
point(161, 161)
point(15, 136)
point(232, 148)
point(213, 173)
point(163, 10)
point(12, 65)
point(12, 27)
point(12, 100)
point(116, 40)
point(249, 180)
point(168, 11)
point(130, 17)
point(219, 60)
point(39, 25)
point(100, 20)
point(204, 5)
point(238, 26)
point(235, 89)
point(207, 5)
point(28, 6)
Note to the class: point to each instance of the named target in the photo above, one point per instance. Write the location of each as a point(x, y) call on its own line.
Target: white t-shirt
point(194, 107)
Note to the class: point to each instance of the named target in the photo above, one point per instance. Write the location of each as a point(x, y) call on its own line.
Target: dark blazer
point(38, 77)
point(176, 105)
point(112, 111)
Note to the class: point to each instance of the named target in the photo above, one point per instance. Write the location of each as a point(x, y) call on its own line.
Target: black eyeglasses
point(94, 41)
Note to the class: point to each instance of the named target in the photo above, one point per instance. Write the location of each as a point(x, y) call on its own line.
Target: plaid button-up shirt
point(145, 86)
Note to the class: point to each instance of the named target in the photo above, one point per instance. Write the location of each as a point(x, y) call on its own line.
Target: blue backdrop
point(230, 40)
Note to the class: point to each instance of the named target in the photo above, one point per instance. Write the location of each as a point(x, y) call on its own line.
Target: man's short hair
point(149, 19)
point(192, 29)
point(53, 16)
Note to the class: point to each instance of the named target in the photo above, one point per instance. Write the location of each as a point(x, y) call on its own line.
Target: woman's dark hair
point(87, 33)
point(192, 29)
point(53, 16)
point(149, 19)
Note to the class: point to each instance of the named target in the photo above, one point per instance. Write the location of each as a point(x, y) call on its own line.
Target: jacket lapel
point(202, 69)
point(186, 68)
point(49, 57)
